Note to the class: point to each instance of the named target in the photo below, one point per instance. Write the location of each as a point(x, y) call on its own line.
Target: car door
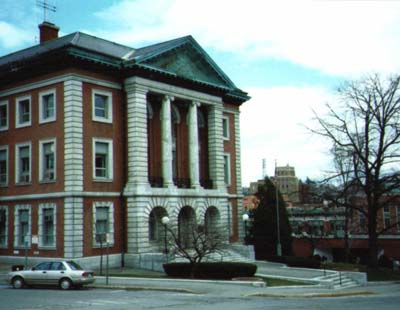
point(56, 272)
point(38, 274)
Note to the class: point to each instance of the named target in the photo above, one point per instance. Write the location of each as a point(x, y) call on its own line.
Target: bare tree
point(200, 245)
point(365, 128)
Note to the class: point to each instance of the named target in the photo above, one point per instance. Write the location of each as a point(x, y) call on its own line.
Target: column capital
point(168, 98)
point(195, 103)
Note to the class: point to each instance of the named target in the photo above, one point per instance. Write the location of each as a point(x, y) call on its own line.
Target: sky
point(290, 56)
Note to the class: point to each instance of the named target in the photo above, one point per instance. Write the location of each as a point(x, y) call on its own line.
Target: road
point(384, 297)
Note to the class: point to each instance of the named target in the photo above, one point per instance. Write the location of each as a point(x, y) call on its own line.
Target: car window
point(43, 266)
point(73, 265)
point(57, 266)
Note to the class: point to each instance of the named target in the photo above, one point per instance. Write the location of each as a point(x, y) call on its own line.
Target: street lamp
point(165, 221)
point(245, 218)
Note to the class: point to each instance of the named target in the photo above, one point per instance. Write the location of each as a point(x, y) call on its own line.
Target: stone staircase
point(339, 280)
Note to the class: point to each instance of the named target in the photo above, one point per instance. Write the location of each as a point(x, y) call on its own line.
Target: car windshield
point(74, 266)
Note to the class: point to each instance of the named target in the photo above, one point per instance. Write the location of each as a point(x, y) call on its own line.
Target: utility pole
point(278, 245)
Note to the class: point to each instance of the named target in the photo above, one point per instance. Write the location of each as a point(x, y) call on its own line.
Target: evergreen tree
point(264, 229)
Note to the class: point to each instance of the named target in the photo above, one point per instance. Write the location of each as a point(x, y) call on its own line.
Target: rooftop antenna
point(264, 168)
point(46, 7)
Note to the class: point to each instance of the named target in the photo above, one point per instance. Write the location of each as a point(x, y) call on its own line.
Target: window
point(103, 159)
point(3, 165)
point(102, 106)
point(23, 112)
point(3, 115)
point(362, 222)
point(47, 106)
point(225, 127)
point(3, 226)
point(23, 163)
point(103, 221)
point(22, 229)
point(398, 218)
point(386, 216)
point(47, 225)
point(47, 164)
point(227, 169)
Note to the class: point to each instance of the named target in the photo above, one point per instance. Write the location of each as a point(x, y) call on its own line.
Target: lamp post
point(245, 218)
point(278, 230)
point(165, 221)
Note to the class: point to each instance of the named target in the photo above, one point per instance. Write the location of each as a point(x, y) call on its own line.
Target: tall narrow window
point(386, 216)
point(23, 163)
point(102, 106)
point(3, 165)
point(23, 112)
point(47, 161)
point(225, 127)
point(47, 106)
point(47, 225)
point(227, 169)
point(103, 159)
point(3, 227)
point(3, 115)
point(103, 223)
point(22, 227)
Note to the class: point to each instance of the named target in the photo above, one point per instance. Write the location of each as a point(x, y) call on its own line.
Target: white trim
point(174, 91)
point(110, 206)
point(17, 225)
point(43, 206)
point(110, 163)
point(109, 111)
point(17, 162)
point(17, 111)
point(41, 95)
point(5, 103)
point(41, 176)
point(60, 195)
point(227, 163)
point(59, 79)
point(5, 244)
point(2, 148)
point(226, 119)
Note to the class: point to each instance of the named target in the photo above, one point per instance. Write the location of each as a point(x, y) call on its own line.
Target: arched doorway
point(211, 221)
point(156, 228)
point(186, 226)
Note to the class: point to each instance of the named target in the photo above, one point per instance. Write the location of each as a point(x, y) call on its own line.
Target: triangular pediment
point(191, 62)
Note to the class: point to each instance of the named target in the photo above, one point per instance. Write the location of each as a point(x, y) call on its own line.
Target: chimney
point(48, 31)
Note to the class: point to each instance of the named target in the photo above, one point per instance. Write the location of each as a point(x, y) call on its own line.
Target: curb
point(312, 295)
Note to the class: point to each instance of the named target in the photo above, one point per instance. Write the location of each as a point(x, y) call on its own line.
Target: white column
point(216, 147)
point(137, 135)
point(194, 145)
point(166, 141)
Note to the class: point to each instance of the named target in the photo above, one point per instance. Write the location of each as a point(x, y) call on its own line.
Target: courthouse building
point(100, 139)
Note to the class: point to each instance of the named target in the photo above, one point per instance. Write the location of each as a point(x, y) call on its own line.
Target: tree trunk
point(372, 238)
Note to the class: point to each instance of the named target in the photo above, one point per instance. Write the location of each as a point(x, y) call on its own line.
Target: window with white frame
point(47, 225)
point(3, 165)
point(225, 127)
point(102, 159)
point(3, 115)
point(103, 223)
point(47, 106)
point(22, 227)
point(362, 222)
point(23, 112)
point(23, 163)
point(3, 226)
point(102, 106)
point(227, 169)
point(386, 216)
point(47, 163)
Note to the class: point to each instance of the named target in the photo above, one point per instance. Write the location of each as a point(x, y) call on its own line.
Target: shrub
point(219, 270)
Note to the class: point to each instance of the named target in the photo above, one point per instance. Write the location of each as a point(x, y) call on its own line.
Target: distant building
point(288, 183)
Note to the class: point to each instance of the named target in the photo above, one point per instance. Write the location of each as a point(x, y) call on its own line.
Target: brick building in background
point(99, 138)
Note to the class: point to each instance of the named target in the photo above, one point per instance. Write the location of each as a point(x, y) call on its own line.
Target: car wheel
point(18, 282)
point(65, 284)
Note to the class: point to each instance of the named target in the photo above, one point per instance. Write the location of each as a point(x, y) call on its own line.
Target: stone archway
point(186, 226)
point(212, 221)
point(156, 228)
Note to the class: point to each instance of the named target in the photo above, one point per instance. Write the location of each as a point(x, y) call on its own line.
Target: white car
point(65, 274)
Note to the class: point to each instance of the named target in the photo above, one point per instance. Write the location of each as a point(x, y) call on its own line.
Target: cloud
point(337, 37)
point(12, 36)
point(273, 127)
